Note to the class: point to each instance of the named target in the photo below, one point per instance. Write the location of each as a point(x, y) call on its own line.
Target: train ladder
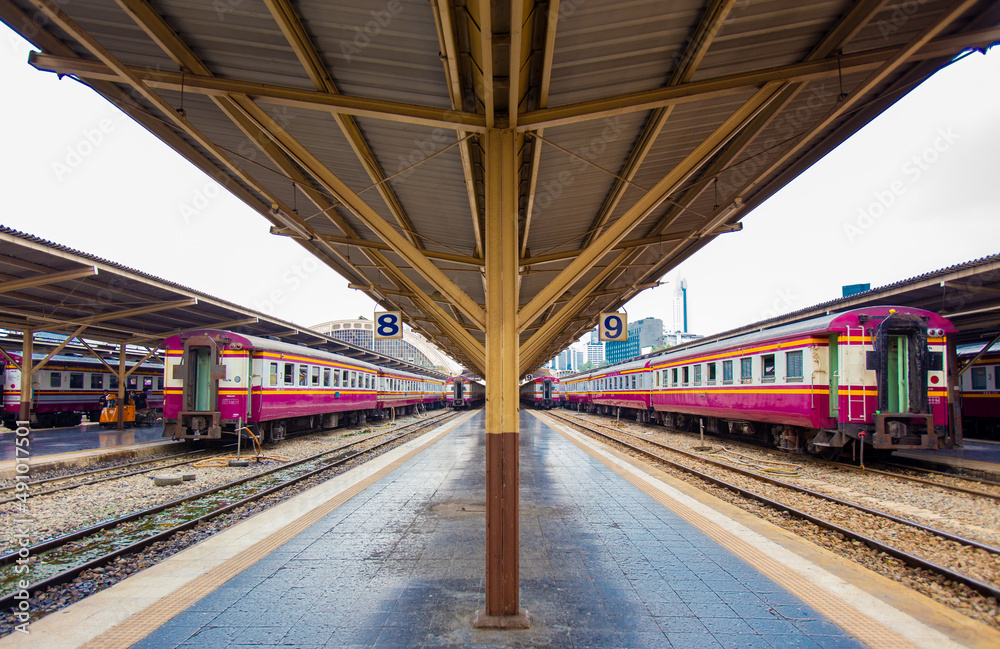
point(856, 405)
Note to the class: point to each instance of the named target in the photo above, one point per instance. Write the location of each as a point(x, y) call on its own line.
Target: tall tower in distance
point(681, 306)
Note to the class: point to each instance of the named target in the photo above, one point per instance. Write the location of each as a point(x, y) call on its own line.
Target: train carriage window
point(673, 379)
point(113, 382)
point(96, 381)
point(55, 380)
point(711, 373)
point(289, 377)
point(336, 378)
point(793, 365)
point(272, 374)
point(633, 382)
point(303, 375)
point(697, 374)
point(76, 380)
point(315, 376)
point(687, 374)
point(326, 377)
point(746, 370)
point(366, 381)
point(657, 379)
point(147, 383)
point(132, 383)
point(354, 379)
point(978, 378)
point(767, 368)
point(727, 372)
point(159, 383)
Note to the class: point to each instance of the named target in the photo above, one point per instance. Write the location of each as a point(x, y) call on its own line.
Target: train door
point(260, 371)
point(459, 390)
point(547, 390)
point(898, 380)
point(901, 360)
point(201, 362)
point(834, 377)
point(201, 371)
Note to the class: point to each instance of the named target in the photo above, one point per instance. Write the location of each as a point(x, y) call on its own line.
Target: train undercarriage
point(891, 431)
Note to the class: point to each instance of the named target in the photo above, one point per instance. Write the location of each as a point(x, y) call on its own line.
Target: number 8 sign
point(614, 327)
point(388, 324)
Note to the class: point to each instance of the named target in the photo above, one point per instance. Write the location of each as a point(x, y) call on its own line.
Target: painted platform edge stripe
point(827, 603)
point(141, 624)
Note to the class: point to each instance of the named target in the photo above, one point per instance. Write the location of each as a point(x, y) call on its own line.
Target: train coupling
point(899, 430)
point(198, 425)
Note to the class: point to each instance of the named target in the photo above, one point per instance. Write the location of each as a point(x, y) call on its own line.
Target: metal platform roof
point(48, 287)
point(644, 129)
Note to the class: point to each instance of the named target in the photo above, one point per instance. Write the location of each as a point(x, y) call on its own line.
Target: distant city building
point(854, 289)
point(647, 332)
point(595, 353)
point(567, 361)
point(412, 348)
point(680, 306)
point(674, 338)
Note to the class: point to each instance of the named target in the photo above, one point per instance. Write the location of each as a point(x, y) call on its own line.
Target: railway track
point(917, 480)
point(993, 495)
point(60, 560)
point(108, 474)
point(906, 557)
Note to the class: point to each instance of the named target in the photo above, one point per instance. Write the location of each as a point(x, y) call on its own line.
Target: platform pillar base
point(520, 621)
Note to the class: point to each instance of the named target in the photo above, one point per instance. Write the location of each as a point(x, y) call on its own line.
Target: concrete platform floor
point(52, 441)
point(612, 555)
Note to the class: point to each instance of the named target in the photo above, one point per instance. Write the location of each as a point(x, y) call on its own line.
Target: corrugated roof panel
point(118, 33)
point(897, 23)
point(429, 183)
point(606, 49)
point(237, 40)
point(385, 51)
point(767, 34)
point(570, 190)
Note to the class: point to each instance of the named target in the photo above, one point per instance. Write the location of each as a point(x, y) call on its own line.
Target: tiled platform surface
point(980, 458)
point(401, 565)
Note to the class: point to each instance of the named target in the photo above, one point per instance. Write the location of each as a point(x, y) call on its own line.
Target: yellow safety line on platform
point(823, 600)
point(143, 622)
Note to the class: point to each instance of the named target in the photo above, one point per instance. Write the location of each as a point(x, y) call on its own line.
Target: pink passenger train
point(68, 387)
point(979, 383)
point(541, 392)
point(874, 374)
point(218, 381)
point(465, 392)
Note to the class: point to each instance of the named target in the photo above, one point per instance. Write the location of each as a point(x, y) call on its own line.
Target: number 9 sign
point(388, 324)
point(614, 327)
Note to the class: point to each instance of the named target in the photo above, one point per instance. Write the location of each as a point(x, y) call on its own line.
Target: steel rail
point(843, 465)
point(99, 470)
point(966, 490)
point(78, 534)
point(905, 557)
point(816, 494)
point(71, 573)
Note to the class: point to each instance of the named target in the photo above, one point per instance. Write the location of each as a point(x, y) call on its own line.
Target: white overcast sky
point(919, 186)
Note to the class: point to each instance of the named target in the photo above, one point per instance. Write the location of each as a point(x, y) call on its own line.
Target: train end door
point(201, 371)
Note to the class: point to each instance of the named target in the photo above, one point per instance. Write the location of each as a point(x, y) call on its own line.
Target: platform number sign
point(388, 324)
point(614, 327)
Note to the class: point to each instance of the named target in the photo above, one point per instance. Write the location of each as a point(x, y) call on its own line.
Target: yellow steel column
point(502, 542)
point(27, 349)
point(122, 377)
